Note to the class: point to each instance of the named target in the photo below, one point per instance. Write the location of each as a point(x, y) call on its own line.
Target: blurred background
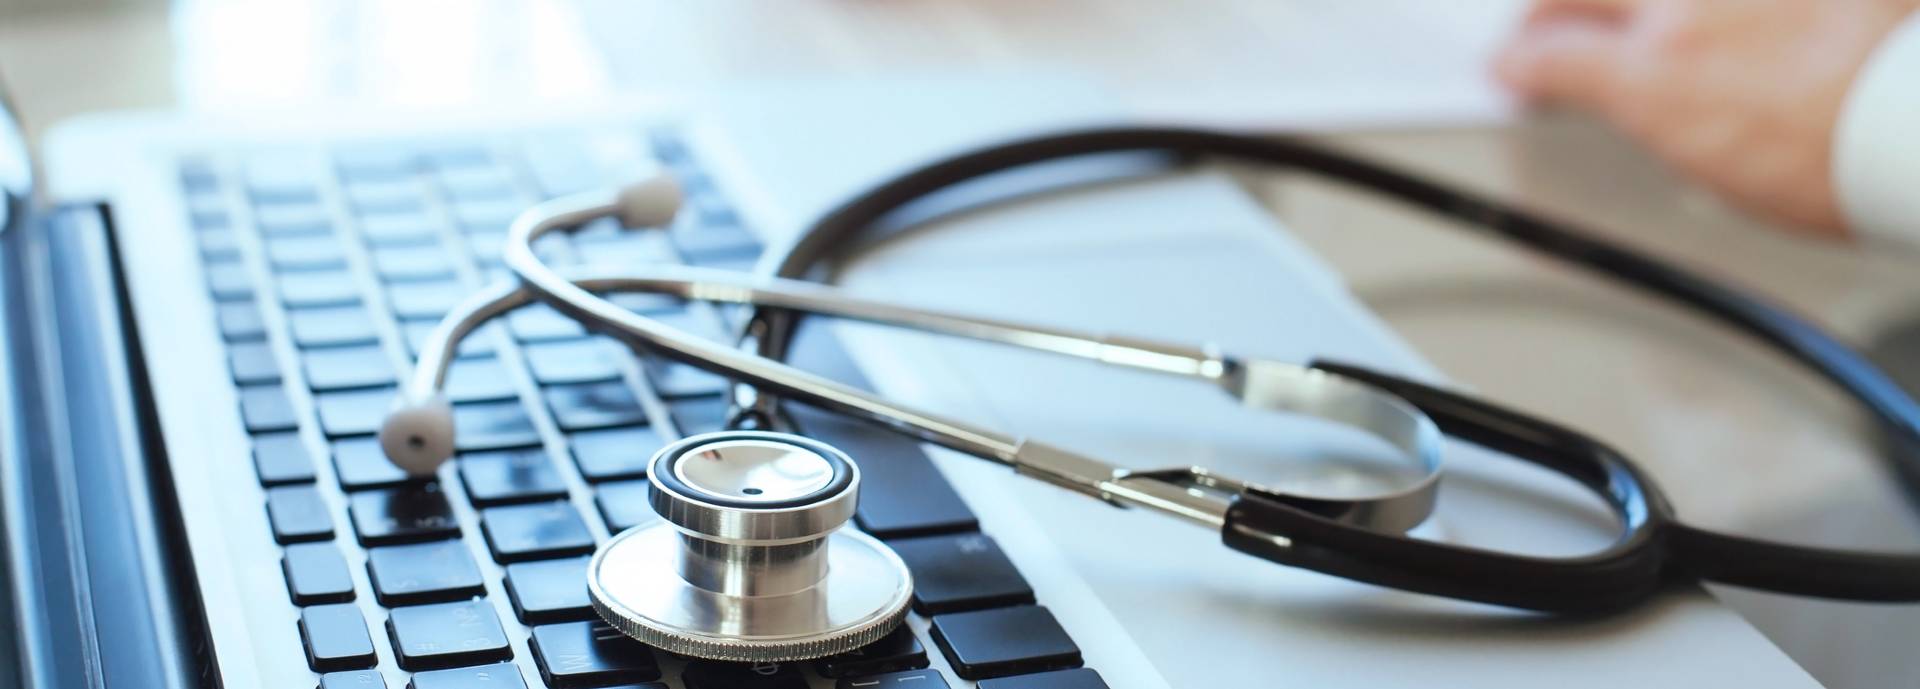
point(1742, 441)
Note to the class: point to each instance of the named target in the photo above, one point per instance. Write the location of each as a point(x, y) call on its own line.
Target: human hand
point(1741, 95)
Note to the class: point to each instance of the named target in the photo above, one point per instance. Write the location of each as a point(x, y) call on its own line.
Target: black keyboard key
point(535, 532)
point(240, 321)
point(316, 573)
point(205, 204)
point(409, 513)
point(693, 321)
point(1077, 678)
point(645, 302)
point(336, 637)
point(319, 288)
point(896, 651)
point(266, 408)
point(376, 164)
point(470, 184)
point(594, 405)
point(510, 476)
point(360, 464)
point(423, 573)
point(540, 322)
point(615, 453)
point(1004, 641)
point(281, 458)
point(487, 251)
point(733, 315)
point(561, 165)
point(347, 368)
point(218, 244)
point(486, 215)
point(317, 252)
point(412, 263)
point(479, 379)
point(399, 229)
point(913, 679)
point(713, 674)
point(443, 635)
point(202, 184)
point(590, 654)
point(207, 210)
point(298, 513)
point(353, 679)
point(426, 300)
point(286, 186)
point(572, 361)
point(497, 274)
point(451, 154)
point(695, 415)
point(253, 362)
point(332, 326)
point(353, 412)
point(280, 178)
point(495, 676)
point(901, 492)
point(960, 572)
point(742, 263)
point(381, 196)
point(621, 251)
point(674, 379)
point(229, 281)
point(703, 242)
point(478, 343)
point(714, 212)
point(615, 248)
point(292, 219)
point(548, 591)
point(624, 504)
point(492, 425)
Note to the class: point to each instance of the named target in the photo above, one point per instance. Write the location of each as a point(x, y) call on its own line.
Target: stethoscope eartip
point(650, 202)
point(418, 435)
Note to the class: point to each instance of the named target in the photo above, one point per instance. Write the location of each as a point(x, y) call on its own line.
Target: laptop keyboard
point(329, 270)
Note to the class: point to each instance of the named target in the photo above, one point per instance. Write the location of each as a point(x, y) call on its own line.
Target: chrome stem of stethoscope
point(418, 436)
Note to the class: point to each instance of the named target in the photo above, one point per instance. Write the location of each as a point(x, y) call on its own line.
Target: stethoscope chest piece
point(748, 561)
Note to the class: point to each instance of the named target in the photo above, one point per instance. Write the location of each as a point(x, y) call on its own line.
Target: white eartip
point(418, 435)
point(650, 202)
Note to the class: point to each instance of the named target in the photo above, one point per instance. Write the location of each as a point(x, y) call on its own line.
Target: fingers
point(1545, 10)
point(1568, 60)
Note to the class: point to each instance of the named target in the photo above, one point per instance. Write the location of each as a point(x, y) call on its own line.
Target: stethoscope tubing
point(1660, 543)
point(1262, 384)
point(1796, 337)
point(1653, 551)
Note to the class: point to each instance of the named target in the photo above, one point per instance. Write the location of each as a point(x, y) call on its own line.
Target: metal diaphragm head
point(748, 561)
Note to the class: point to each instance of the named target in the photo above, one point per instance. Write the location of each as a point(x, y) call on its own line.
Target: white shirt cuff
point(1876, 147)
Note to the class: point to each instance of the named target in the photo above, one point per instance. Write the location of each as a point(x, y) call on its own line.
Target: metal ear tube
point(758, 569)
point(749, 560)
point(417, 435)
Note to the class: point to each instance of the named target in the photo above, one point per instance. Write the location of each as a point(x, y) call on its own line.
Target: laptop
point(206, 320)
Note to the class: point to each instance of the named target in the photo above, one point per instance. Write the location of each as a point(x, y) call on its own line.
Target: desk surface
point(1742, 441)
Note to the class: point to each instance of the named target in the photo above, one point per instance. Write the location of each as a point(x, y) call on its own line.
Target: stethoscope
point(748, 561)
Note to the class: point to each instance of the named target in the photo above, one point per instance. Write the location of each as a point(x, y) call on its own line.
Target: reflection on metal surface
point(748, 561)
point(758, 471)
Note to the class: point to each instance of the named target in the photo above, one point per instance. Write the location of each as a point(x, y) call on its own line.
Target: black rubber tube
point(1694, 552)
